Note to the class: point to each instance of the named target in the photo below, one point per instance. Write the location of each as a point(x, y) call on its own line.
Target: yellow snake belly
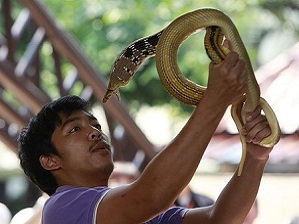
point(165, 44)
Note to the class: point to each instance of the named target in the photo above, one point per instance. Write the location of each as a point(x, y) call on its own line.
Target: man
point(65, 152)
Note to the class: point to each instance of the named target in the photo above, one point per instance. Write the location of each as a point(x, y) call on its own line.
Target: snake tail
point(236, 115)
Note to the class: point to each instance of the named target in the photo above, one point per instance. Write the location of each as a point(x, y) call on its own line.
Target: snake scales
point(164, 45)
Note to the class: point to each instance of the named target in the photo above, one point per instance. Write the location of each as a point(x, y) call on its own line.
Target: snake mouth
point(109, 94)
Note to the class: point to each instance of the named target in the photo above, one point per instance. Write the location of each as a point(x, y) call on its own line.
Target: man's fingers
point(252, 115)
point(259, 132)
point(230, 60)
point(257, 127)
point(227, 44)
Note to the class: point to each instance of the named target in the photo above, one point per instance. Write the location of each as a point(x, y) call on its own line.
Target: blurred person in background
point(295, 220)
point(252, 214)
point(190, 199)
point(30, 215)
point(5, 214)
point(124, 173)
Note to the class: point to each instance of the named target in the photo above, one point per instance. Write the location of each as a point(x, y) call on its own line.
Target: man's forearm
point(237, 197)
point(174, 167)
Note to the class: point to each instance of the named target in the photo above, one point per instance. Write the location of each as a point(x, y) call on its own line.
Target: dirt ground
point(278, 197)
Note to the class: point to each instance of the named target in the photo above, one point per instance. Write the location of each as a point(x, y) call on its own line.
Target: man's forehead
point(75, 114)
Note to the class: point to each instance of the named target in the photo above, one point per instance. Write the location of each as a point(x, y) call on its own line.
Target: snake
point(164, 46)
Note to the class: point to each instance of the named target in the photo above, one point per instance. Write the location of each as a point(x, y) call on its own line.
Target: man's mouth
point(100, 145)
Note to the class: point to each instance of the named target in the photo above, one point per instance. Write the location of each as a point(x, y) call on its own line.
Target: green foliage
point(105, 27)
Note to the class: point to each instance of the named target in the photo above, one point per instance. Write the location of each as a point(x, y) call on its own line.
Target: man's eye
point(74, 129)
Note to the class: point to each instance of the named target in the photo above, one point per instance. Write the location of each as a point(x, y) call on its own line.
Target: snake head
point(109, 94)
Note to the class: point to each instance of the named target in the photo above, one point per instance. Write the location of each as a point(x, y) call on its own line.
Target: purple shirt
point(71, 205)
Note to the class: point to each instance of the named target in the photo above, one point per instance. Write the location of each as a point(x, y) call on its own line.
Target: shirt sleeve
point(174, 215)
point(73, 206)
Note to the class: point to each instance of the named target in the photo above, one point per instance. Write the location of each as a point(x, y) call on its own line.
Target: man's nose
point(94, 134)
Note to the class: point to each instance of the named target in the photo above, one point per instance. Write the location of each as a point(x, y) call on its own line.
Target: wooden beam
point(68, 47)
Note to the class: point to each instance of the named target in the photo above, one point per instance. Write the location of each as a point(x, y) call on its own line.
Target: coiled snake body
point(164, 45)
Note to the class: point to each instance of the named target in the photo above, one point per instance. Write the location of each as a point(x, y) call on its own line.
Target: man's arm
point(172, 169)
point(237, 197)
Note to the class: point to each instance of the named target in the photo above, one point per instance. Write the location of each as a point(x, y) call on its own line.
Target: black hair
point(35, 139)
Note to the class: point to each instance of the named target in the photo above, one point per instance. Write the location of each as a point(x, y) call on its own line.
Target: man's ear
point(50, 162)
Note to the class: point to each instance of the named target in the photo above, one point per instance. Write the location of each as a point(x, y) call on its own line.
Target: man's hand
point(227, 80)
point(255, 130)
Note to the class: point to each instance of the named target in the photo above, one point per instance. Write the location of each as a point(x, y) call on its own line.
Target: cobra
point(165, 44)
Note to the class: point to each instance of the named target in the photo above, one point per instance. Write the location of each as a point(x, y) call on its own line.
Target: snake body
point(165, 44)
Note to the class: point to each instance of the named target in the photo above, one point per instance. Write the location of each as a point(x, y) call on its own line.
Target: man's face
point(84, 149)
